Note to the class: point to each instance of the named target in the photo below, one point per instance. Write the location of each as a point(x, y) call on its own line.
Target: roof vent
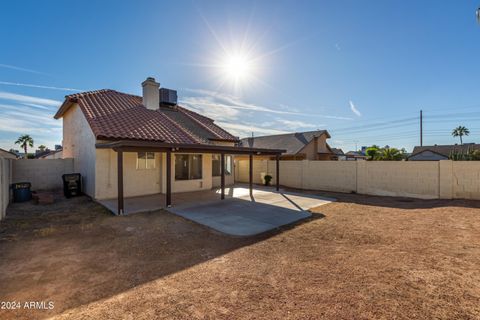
point(168, 96)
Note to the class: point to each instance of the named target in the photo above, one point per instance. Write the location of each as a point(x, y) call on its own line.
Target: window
point(145, 160)
point(216, 160)
point(188, 166)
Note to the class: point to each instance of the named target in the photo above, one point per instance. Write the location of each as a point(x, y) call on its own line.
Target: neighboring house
point(51, 154)
point(355, 155)
point(122, 144)
point(339, 155)
point(7, 154)
point(310, 145)
point(440, 152)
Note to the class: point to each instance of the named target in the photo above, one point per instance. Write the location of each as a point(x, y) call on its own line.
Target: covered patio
point(241, 213)
point(123, 205)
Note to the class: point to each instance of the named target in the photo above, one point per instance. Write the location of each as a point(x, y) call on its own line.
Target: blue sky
point(360, 69)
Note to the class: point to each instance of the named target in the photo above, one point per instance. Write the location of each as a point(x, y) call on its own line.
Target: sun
point(237, 67)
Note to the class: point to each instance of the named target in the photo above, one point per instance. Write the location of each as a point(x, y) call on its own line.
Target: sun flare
point(237, 67)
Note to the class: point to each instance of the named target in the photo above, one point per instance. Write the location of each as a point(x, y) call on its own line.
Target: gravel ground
point(358, 258)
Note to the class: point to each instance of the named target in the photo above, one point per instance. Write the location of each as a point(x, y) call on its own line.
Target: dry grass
point(359, 258)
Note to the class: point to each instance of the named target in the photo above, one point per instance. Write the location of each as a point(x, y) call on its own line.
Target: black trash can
point(72, 184)
point(21, 191)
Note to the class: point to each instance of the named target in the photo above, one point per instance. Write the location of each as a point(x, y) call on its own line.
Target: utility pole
point(421, 128)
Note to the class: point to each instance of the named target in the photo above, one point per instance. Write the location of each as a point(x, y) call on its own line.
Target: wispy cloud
point(8, 66)
point(231, 102)
point(38, 86)
point(28, 99)
point(354, 109)
point(243, 130)
point(297, 124)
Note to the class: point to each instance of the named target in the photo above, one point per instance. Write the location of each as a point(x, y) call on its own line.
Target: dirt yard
point(359, 258)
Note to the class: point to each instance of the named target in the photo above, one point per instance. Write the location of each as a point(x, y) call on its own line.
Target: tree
point(460, 131)
point(42, 147)
point(391, 154)
point(372, 152)
point(25, 141)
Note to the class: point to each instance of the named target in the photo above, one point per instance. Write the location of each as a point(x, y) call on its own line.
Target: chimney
point(151, 94)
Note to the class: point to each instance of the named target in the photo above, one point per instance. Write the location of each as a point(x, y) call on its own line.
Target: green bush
point(268, 178)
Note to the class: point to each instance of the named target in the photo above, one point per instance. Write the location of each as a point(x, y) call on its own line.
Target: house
point(339, 155)
point(126, 145)
point(355, 155)
point(310, 145)
point(51, 154)
point(7, 154)
point(440, 152)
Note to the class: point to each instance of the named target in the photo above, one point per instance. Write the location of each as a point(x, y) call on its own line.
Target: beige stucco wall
point(309, 149)
point(79, 143)
point(465, 179)
point(426, 180)
point(136, 182)
point(147, 181)
point(43, 174)
point(5, 181)
point(398, 178)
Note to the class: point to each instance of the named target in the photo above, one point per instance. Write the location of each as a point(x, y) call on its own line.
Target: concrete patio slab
point(239, 214)
point(242, 215)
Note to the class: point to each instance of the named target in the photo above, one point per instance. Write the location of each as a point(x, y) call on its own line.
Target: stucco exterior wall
point(139, 182)
point(5, 181)
point(194, 185)
point(136, 182)
point(43, 174)
point(79, 143)
point(426, 180)
point(320, 152)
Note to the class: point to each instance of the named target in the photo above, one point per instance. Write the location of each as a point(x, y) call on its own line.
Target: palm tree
point(42, 147)
point(460, 131)
point(391, 154)
point(24, 141)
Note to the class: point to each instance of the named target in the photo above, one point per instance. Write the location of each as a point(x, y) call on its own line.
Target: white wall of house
point(79, 143)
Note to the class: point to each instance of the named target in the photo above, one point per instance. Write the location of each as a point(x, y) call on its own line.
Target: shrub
point(267, 178)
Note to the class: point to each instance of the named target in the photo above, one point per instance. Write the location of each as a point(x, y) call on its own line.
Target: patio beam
point(222, 175)
point(250, 174)
point(168, 199)
point(277, 171)
point(120, 205)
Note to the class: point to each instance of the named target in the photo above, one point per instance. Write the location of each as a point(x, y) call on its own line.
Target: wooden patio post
point(168, 200)
point(277, 169)
point(222, 175)
point(250, 173)
point(120, 205)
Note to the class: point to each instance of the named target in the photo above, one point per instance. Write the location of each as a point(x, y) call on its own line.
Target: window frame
point(145, 159)
point(227, 162)
point(189, 166)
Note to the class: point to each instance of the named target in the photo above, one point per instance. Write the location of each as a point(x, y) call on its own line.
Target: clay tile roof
point(116, 115)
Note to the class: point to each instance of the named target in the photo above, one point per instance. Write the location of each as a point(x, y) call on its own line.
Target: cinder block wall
point(43, 174)
point(417, 179)
point(5, 180)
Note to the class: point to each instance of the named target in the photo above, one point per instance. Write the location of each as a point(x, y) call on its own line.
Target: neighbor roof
point(446, 150)
point(337, 151)
point(5, 152)
point(114, 115)
point(292, 142)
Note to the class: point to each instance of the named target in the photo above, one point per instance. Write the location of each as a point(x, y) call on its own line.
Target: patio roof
point(121, 146)
point(136, 145)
